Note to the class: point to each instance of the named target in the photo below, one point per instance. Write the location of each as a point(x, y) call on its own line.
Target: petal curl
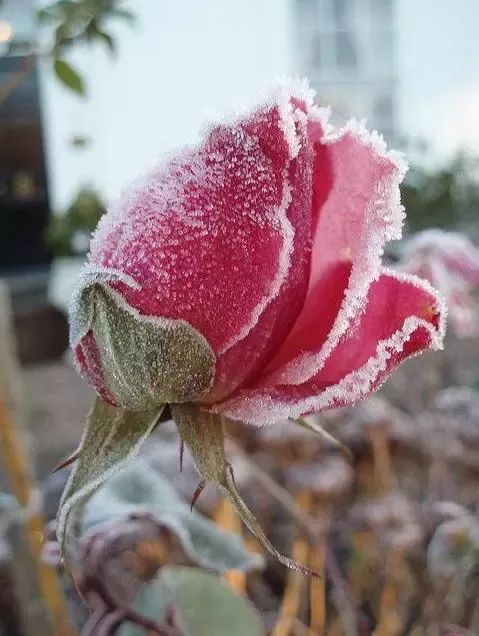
point(357, 182)
point(404, 316)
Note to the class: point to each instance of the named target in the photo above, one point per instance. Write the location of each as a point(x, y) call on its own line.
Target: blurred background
point(92, 94)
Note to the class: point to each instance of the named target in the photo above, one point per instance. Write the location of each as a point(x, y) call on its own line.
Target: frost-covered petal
point(243, 360)
point(403, 316)
point(220, 237)
point(356, 182)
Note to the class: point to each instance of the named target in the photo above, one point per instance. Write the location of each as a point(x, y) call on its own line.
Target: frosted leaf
point(143, 492)
point(112, 437)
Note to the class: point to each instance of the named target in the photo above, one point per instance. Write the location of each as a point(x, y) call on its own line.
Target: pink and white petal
point(219, 235)
point(357, 181)
point(404, 316)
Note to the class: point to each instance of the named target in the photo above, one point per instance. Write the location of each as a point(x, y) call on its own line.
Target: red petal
point(88, 360)
point(357, 183)
point(403, 316)
point(220, 238)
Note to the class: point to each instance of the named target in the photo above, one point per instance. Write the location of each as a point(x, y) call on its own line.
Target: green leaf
point(124, 14)
point(140, 488)
point(112, 438)
point(203, 433)
point(69, 77)
point(203, 605)
point(107, 40)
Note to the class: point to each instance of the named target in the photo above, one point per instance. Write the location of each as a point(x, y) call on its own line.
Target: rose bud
point(242, 278)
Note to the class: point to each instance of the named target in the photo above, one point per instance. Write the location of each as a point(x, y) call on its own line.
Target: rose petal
point(220, 238)
point(403, 316)
point(243, 361)
point(361, 212)
point(88, 360)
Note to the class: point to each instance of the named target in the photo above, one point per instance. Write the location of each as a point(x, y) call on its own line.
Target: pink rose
point(244, 274)
point(450, 262)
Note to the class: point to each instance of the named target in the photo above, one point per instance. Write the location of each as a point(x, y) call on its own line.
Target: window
point(381, 12)
point(346, 54)
point(383, 112)
point(342, 13)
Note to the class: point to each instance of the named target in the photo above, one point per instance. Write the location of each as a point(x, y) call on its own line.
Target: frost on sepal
point(203, 433)
point(111, 439)
point(145, 361)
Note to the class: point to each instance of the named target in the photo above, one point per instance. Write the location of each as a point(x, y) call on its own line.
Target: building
point(347, 49)
point(24, 208)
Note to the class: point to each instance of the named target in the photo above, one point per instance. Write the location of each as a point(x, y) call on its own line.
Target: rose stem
point(16, 465)
point(294, 580)
point(227, 518)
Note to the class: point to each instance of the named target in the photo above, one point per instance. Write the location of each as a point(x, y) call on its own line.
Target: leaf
point(48, 14)
point(203, 605)
point(203, 432)
point(107, 40)
point(124, 14)
point(112, 437)
point(141, 489)
point(69, 77)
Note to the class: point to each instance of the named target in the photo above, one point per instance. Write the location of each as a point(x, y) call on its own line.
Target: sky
point(438, 71)
point(187, 60)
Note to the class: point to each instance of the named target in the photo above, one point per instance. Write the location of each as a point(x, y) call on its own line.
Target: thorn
point(230, 468)
point(67, 461)
point(197, 493)
point(182, 452)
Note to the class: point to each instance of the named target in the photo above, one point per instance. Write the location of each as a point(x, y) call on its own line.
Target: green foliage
point(80, 21)
point(202, 605)
point(68, 76)
point(446, 198)
point(66, 231)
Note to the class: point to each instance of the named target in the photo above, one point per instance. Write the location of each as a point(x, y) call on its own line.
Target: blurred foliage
point(201, 604)
point(447, 197)
point(68, 234)
point(80, 21)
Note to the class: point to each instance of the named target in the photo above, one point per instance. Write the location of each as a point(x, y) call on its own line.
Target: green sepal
point(202, 431)
point(111, 439)
point(146, 361)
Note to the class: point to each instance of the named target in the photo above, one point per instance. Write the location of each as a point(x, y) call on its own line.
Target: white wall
point(185, 59)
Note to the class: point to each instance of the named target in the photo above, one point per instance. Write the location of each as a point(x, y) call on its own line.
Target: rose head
point(245, 274)
point(450, 262)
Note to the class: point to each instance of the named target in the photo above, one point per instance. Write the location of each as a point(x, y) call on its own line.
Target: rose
point(251, 265)
point(243, 279)
point(451, 263)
